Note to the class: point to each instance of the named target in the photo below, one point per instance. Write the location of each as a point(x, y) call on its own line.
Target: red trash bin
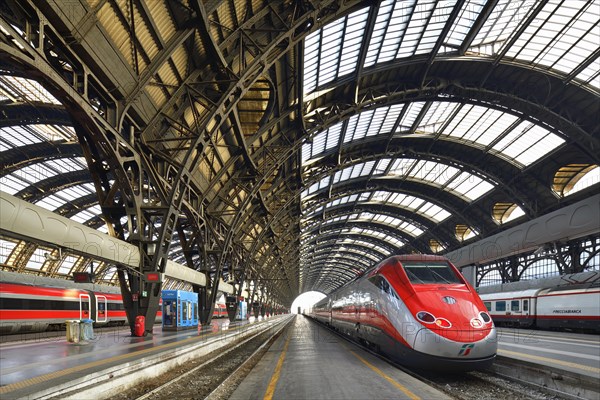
point(140, 326)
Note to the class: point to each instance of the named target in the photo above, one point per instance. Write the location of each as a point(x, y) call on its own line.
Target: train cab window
point(515, 305)
point(488, 305)
point(432, 272)
point(526, 305)
point(500, 306)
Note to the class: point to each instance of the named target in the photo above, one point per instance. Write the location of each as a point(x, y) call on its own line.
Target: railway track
point(214, 376)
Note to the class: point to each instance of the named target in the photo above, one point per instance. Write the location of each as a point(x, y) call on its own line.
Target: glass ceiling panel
point(37, 259)
point(6, 247)
point(396, 223)
point(511, 137)
point(561, 35)
point(333, 50)
point(357, 242)
point(64, 196)
point(16, 136)
point(591, 74)
point(412, 203)
point(377, 234)
point(19, 89)
point(354, 171)
point(466, 18)
point(316, 186)
point(85, 215)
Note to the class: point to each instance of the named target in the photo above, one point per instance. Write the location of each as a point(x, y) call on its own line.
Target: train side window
point(488, 305)
point(500, 306)
point(515, 305)
point(525, 305)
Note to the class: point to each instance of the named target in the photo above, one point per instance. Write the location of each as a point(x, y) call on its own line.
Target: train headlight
point(425, 317)
point(443, 323)
point(476, 323)
point(485, 317)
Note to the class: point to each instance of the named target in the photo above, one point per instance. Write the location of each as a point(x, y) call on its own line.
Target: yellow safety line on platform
point(387, 377)
point(57, 374)
point(276, 373)
point(550, 360)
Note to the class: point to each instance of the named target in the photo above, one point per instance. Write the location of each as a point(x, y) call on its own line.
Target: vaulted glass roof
point(372, 128)
point(433, 159)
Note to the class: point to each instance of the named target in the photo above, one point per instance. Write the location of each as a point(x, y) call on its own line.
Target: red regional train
point(220, 311)
point(418, 310)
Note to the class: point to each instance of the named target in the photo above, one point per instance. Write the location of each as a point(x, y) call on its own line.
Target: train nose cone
point(431, 342)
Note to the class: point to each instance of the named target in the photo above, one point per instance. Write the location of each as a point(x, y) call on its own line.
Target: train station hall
point(300, 199)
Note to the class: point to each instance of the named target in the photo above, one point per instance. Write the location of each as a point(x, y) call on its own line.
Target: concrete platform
point(578, 353)
point(52, 366)
point(309, 362)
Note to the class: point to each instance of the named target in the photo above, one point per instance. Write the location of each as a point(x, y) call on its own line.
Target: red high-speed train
point(46, 304)
point(418, 310)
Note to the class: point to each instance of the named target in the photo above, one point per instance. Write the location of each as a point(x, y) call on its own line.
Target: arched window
point(464, 232)
point(575, 177)
point(504, 212)
point(436, 246)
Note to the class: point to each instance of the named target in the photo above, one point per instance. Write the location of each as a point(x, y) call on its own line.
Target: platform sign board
point(153, 277)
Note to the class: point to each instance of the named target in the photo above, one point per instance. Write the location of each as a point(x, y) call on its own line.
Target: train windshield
point(430, 272)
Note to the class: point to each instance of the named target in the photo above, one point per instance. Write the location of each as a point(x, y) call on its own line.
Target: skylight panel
point(333, 50)
point(470, 186)
point(402, 166)
point(390, 24)
point(353, 172)
point(84, 216)
point(502, 22)
point(51, 202)
point(591, 74)
point(397, 223)
point(416, 27)
point(6, 248)
point(435, 25)
point(528, 143)
point(380, 235)
point(409, 118)
point(15, 136)
point(433, 172)
point(315, 187)
point(26, 90)
point(67, 265)
point(436, 116)
point(342, 200)
point(560, 37)
point(466, 18)
point(37, 259)
point(11, 184)
point(322, 142)
point(434, 212)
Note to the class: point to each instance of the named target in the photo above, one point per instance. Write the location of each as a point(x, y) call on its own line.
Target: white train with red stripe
point(31, 303)
point(574, 305)
point(418, 310)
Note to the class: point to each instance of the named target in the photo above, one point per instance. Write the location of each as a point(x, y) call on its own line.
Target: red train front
point(419, 310)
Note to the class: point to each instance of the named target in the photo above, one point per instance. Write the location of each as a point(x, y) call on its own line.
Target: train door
point(101, 308)
point(84, 306)
point(526, 307)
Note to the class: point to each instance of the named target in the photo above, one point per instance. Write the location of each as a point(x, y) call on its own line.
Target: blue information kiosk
point(179, 310)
